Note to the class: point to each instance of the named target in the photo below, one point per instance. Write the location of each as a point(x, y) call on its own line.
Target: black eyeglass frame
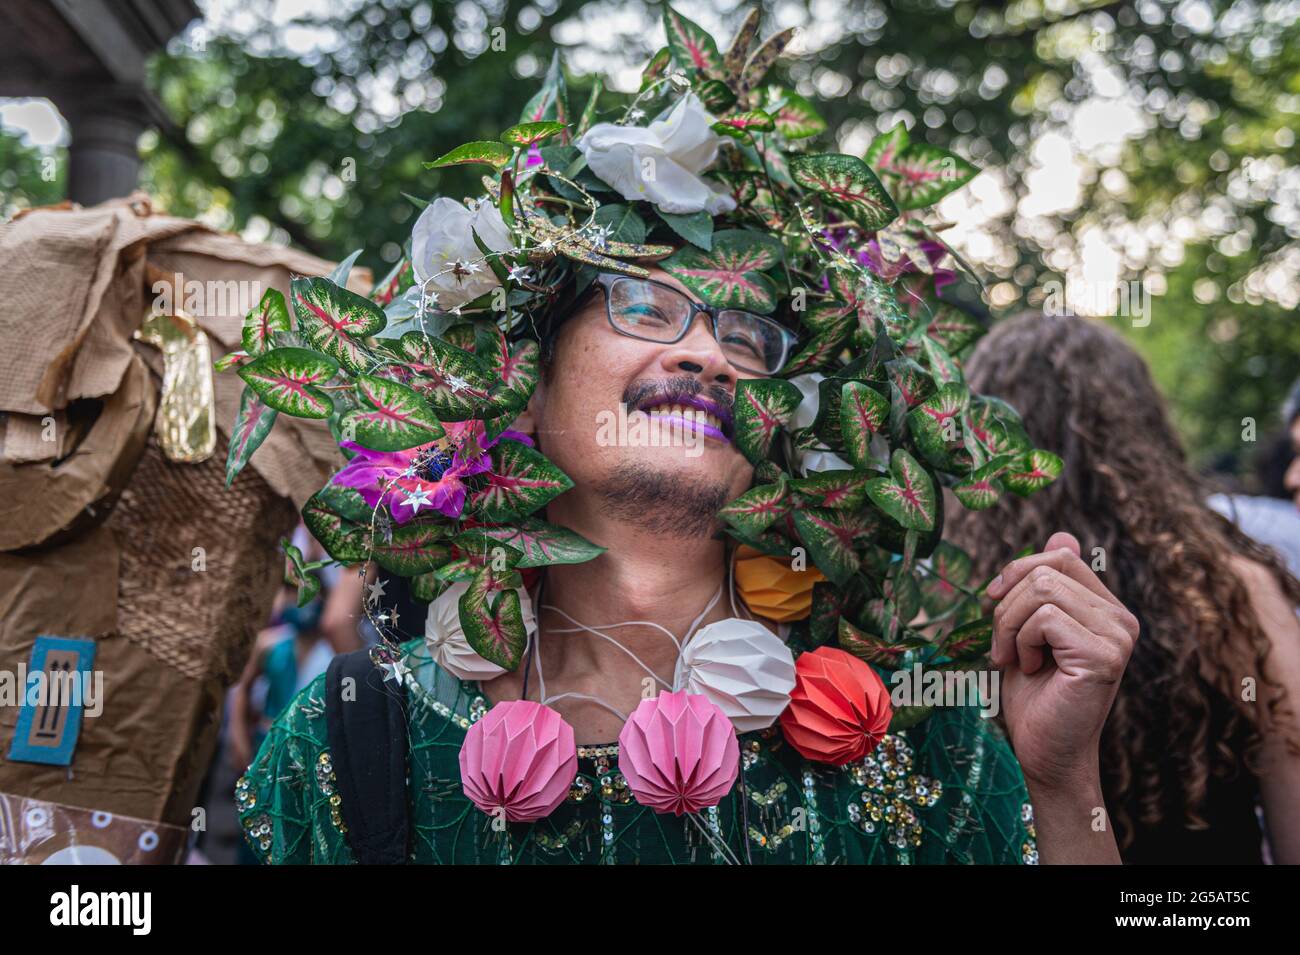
point(606, 282)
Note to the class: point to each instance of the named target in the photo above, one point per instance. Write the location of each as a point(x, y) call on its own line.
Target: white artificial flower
point(444, 236)
point(661, 162)
point(816, 459)
point(446, 640)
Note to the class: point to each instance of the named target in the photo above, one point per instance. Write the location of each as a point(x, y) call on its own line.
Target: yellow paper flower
point(770, 587)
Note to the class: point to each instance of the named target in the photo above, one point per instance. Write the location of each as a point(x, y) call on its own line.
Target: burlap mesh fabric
point(200, 621)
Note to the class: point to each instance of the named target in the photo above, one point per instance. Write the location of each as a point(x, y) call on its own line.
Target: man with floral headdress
point(665, 449)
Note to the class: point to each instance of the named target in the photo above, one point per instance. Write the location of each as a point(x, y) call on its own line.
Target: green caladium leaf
point(552, 100)
point(819, 351)
point(428, 587)
point(997, 426)
point(288, 380)
point(252, 425)
point(542, 544)
point(492, 618)
point(695, 227)
point(730, 275)
point(848, 184)
point(232, 360)
point(863, 412)
point(588, 116)
point(907, 495)
point(692, 48)
point(739, 125)
point(525, 134)
point(486, 152)
point(393, 416)
point(762, 407)
point(833, 538)
point(911, 380)
point(953, 329)
point(903, 589)
point(657, 68)
point(794, 116)
point(716, 96)
point(261, 323)
point(344, 540)
point(948, 577)
point(346, 502)
point(1032, 472)
point(336, 320)
point(943, 368)
point(455, 382)
point(297, 574)
point(517, 375)
point(755, 510)
point(923, 174)
point(830, 315)
point(521, 481)
point(886, 148)
point(936, 424)
point(413, 548)
point(763, 58)
point(834, 489)
point(621, 222)
point(981, 490)
point(968, 642)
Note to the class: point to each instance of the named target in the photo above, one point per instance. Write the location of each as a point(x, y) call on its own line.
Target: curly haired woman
point(1202, 728)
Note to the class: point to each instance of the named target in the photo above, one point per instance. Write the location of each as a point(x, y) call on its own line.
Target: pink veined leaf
point(691, 46)
point(762, 405)
point(335, 320)
point(886, 147)
point(252, 425)
point(832, 538)
point(755, 510)
point(863, 412)
point(730, 275)
point(543, 544)
point(849, 184)
point(271, 315)
point(1034, 471)
point(907, 495)
point(521, 481)
point(394, 416)
point(286, 379)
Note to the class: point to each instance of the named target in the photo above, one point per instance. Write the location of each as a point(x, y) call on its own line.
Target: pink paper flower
point(431, 475)
point(519, 759)
point(678, 753)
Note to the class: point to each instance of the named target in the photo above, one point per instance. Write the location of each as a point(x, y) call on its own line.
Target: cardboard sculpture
point(123, 554)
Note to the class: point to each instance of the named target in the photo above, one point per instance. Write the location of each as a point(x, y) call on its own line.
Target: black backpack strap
point(367, 737)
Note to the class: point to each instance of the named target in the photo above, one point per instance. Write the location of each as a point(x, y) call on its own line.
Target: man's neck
point(643, 575)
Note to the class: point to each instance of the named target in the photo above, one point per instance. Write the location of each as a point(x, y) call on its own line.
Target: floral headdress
point(724, 190)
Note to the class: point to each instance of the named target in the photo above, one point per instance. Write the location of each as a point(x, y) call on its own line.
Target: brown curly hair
point(1126, 488)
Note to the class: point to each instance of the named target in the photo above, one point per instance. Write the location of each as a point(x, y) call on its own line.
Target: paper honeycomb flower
point(519, 759)
point(839, 709)
point(678, 753)
point(742, 667)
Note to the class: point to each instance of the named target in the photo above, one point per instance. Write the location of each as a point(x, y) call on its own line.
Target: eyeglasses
point(655, 312)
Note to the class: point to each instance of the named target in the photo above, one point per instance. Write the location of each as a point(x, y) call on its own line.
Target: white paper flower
point(661, 162)
point(444, 236)
point(448, 646)
point(742, 667)
point(815, 459)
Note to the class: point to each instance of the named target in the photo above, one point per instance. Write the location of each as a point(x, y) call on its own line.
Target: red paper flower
point(839, 709)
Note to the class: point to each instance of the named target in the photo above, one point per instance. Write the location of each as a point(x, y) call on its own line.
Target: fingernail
point(996, 584)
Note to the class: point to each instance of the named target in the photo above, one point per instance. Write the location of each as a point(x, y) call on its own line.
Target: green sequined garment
point(946, 791)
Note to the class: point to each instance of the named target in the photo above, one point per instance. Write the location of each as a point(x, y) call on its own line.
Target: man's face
point(1292, 476)
point(673, 464)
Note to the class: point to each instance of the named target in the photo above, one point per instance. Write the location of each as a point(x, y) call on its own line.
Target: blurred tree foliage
point(318, 149)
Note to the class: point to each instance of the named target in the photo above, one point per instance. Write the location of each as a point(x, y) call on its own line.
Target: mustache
point(647, 393)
